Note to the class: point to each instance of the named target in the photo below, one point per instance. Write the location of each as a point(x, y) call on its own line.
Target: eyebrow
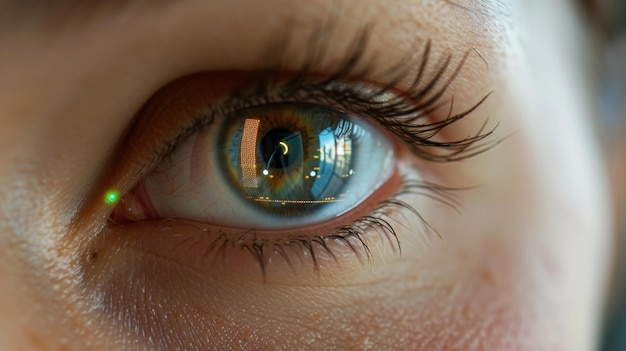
point(54, 14)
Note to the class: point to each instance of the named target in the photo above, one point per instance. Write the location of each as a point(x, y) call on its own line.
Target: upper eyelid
point(169, 131)
point(400, 112)
point(414, 102)
point(145, 154)
point(284, 90)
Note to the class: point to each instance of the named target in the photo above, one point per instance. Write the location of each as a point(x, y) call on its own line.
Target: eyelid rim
point(209, 93)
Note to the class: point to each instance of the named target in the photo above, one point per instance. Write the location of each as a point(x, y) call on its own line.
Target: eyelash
point(403, 116)
point(398, 115)
point(353, 236)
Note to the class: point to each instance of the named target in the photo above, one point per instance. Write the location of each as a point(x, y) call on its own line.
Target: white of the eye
point(177, 189)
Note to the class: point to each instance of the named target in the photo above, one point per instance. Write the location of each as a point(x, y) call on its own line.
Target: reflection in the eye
point(333, 164)
point(248, 153)
point(298, 166)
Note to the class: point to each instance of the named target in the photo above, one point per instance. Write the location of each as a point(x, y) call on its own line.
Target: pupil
point(280, 148)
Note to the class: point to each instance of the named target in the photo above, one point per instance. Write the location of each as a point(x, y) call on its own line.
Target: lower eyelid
point(240, 238)
point(259, 256)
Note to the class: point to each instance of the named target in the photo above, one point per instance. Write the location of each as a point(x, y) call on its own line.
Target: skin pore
point(521, 266)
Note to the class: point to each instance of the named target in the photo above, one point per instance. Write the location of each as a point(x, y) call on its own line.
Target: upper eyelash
point(397, 113)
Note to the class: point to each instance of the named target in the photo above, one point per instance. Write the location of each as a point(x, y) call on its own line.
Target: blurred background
point(608, 18)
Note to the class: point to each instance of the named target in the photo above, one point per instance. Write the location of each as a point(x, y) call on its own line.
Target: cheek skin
point(493, 293)
point(39, 309)
point(450, 300)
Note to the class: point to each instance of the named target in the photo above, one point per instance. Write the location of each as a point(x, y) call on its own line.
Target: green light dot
point(111, 197)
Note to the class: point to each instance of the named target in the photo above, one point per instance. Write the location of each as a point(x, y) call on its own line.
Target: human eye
point(274, 166)
point(279, 171)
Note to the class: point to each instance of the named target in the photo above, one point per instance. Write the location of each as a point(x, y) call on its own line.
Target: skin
point(522, 267)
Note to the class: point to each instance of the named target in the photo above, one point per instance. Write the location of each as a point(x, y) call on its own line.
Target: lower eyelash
point(381, 224)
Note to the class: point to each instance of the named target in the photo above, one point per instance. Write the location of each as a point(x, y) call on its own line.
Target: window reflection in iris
point(294, 158)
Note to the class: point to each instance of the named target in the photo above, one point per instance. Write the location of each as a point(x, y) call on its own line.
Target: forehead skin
point(528, 276)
